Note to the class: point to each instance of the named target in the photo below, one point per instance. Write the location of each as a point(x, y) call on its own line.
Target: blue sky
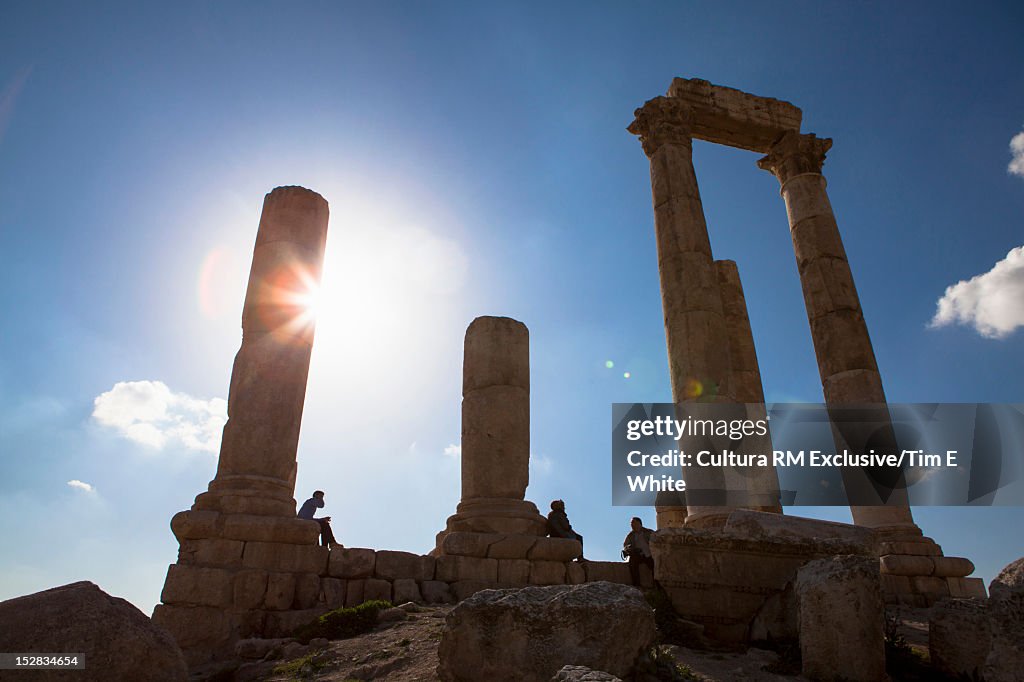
point(476, 162)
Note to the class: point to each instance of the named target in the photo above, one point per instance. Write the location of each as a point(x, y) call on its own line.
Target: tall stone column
point(695, 325)
point(256, 469)
point(762, 483)
point(247, 567)
point(496, 431)
point(846, 359)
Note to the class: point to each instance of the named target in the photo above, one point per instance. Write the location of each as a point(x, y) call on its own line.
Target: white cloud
point(453, 450)
point(148, 412)
point(1017, 150)
point(993, 302)
point(540, 464)
point(81, 485)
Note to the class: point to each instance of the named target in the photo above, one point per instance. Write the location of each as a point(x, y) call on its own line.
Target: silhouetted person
point(559, 526)
point(309, 508)
point(637, 548)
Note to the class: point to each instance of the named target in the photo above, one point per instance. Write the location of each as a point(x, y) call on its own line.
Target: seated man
point(559, 526)
point(637, 548)
point(307, 510)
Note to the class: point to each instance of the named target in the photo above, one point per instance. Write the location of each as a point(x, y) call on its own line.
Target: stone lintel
point(731, 117)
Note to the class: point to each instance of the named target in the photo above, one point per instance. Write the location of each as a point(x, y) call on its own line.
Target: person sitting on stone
point(559, 526)
point(637, 548)
point(309, 508)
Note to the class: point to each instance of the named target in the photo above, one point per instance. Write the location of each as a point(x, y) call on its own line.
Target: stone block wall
point(269, 589)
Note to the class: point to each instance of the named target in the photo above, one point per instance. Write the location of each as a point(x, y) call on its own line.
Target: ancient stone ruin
point(727, 567)
point(248, 568)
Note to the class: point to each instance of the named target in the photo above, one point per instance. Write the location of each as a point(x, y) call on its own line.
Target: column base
point(498, 515)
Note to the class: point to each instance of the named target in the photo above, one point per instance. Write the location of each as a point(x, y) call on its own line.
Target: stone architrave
point(846, 359)
point(695, 327)
point(495, 433)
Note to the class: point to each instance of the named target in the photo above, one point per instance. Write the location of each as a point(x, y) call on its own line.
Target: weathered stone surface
point(555, 549)
point(909, 565)
point(777, 620)
point(197, 585)
point(728, 116)
point(118, 640)
point(375, 588)
point(354, 592)
point(248, 589)
point(272, 556)
point(469, 544)
point(200, 631)
point(959, 637)
point(464, 589)
point(952, 566)
point(575, 573)
point(453, 568)
point(214, 552)
point(334, 592)
point(250, 527)
point(760, 525)
point(580, 673)
point(392, 615)
point(436, 592)
point(194, 524)
point(391, 565)
point(535, 631)
point(1009, 580)
point(1006, 612)
point(513, 572)
point(405, 590)
point(247, 623)
point(280, 591)
point(256, 469)
point(610, 571)
point(256, 648)
point(307, 590)
point(352, 563)
point(547, 573)
point(841, 617)
point(284, 623)
point(512, 547)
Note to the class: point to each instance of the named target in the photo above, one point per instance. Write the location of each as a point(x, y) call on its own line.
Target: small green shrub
point(303, 668)
point(343, 623)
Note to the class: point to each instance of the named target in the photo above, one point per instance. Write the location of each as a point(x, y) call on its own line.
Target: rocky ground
point(406, 650)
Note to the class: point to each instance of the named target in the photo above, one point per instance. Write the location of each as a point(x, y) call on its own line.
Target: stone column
point(496, 431)
point(762, 483)
point(256, 469)
point(695, 326)
point(846, 359)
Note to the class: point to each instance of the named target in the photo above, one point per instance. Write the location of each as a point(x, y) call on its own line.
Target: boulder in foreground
point(529, 634)
point(118, 640)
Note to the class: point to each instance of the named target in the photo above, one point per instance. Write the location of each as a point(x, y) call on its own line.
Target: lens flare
point(694, 389)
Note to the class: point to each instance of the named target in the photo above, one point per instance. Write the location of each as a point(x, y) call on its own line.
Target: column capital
point(795, 154)
point(662, 120)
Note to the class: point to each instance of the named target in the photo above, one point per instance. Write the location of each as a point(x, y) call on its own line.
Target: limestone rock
point(352, 563)
point(118, 640)
point(257, 648)
point(959, 637)
point(392, 615)
point(1006, 608)
point(579, 673)
point(841, 617)
point(535, 631)
point(1011, 578)
point(436, 592)
point(405, 590)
